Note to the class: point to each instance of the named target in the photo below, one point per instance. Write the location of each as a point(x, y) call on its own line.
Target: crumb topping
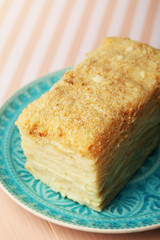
point(96, 100)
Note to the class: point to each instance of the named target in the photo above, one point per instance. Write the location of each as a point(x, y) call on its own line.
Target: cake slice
point(93, 130)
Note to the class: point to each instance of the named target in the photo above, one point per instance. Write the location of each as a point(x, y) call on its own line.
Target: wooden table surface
point(42, 36)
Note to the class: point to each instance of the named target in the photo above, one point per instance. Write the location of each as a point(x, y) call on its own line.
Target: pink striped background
point(41, 36)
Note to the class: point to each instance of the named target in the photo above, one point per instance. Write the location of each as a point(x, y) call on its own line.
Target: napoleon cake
point(88, 135)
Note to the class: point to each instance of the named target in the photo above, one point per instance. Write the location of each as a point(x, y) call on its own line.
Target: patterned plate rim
point(73, 226)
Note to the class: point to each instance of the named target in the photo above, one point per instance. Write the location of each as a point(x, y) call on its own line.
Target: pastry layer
point(94, 183)
point(89, 134)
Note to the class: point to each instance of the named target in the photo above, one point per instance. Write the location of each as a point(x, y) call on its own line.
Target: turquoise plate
point(136, 207)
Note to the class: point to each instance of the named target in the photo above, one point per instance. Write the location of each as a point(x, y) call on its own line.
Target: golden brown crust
point(96, 101)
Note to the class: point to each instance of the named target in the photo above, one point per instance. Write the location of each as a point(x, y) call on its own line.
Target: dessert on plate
point(93, 130)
